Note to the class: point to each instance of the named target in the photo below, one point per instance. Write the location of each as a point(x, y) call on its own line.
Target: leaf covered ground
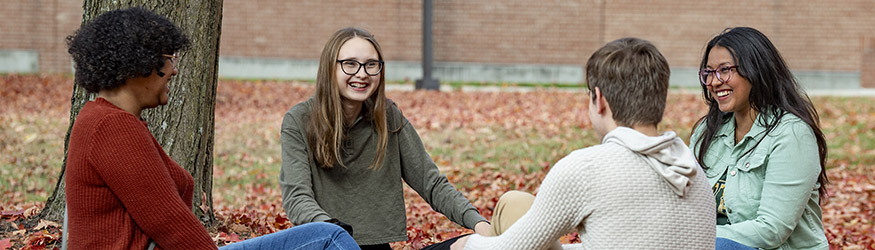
point(485, 142)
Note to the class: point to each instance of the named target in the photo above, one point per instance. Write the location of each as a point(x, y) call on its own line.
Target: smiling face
point(733, 95)
point(358, 87)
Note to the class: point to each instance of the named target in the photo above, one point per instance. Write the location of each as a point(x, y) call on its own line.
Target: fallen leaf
point(43, 224)
point(5, 244)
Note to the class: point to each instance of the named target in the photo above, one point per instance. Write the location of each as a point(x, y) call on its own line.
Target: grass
point(248, 152)
point(497, 148)
point(849, 128)
point(32, 153)
point(247, 155)
point(503, 135)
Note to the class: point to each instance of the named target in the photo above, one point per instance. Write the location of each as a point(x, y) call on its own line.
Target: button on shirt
point(771, 192)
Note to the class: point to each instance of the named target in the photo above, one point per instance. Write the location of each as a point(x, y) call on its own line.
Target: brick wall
point(299, 29)
point(40, 25)
point(820, 35)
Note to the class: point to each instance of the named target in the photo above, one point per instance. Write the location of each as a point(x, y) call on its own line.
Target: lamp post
point(427, 82)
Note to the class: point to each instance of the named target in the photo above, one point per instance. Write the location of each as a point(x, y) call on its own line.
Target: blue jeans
point(727, 244)
point(316, 235)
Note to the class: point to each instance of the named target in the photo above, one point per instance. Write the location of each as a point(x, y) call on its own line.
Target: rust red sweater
point(123, 189)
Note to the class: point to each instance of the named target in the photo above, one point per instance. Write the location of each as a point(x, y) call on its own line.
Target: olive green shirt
point(372, 201)
point(771, 193)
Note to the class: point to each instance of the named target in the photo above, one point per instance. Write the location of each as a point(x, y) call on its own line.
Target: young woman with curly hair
point(123, 191)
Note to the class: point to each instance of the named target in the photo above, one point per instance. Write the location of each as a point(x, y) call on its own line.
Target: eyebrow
point(718, 65)
point(354, 58)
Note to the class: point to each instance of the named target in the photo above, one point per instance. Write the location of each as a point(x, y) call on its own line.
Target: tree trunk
point(184, 126)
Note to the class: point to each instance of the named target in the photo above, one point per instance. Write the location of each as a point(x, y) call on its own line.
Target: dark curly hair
point(122, 44)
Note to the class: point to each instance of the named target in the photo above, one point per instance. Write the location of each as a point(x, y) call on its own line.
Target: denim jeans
point(727, 244)
point(316, 235)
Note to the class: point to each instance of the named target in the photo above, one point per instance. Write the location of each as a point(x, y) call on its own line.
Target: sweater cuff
point(320, 217)
point(476, 241)
point(471, 218)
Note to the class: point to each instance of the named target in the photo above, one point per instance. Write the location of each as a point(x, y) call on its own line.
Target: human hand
point(483, 228)
point(460, 243)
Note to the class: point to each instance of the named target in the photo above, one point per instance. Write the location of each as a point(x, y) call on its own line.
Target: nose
point(362, 74)
point(714, 82)
point(175, 71)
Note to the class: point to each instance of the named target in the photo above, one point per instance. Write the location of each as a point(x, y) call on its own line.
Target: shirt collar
point(728, 127)
point(363, 115)
point(758, 125)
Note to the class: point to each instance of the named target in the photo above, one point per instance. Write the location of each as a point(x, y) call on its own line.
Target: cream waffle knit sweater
point(631, 192)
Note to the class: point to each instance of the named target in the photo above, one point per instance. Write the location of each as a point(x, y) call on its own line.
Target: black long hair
point(774, 90)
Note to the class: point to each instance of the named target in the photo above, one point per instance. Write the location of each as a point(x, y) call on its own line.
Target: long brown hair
point(774, 91)
point(326, 131)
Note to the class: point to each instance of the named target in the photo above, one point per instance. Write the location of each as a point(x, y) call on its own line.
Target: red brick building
point(827, 43)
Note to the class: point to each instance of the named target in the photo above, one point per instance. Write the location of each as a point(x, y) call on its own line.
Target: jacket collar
point(727, 131)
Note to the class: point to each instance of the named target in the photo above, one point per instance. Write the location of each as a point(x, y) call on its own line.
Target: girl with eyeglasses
point(760, 145)
point(347, 148)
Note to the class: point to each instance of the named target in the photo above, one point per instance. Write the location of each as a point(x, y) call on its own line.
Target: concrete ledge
point(27, 61)
point(19, 61)
point(810, 80)
point(500, 73)
point(235, 67)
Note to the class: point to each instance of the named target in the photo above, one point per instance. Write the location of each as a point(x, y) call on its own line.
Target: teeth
point(358, 85)
point(723, 93)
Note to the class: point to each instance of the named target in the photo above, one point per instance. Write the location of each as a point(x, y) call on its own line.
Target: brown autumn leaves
point(485, 142)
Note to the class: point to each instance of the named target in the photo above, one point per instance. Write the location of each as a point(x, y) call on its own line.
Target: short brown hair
point(633, 77)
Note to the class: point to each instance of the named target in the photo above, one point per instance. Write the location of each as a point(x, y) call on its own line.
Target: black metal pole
point(427, 82)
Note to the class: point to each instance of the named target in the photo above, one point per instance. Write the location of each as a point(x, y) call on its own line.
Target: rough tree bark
point(184, 126)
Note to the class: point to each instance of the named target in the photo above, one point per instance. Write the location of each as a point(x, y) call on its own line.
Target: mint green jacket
point(771, 193)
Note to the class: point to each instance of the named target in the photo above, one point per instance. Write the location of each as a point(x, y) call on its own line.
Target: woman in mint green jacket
point(760, 145)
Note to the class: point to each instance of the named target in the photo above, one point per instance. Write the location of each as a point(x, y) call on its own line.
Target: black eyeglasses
point(352, 67)
point(723, 73)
